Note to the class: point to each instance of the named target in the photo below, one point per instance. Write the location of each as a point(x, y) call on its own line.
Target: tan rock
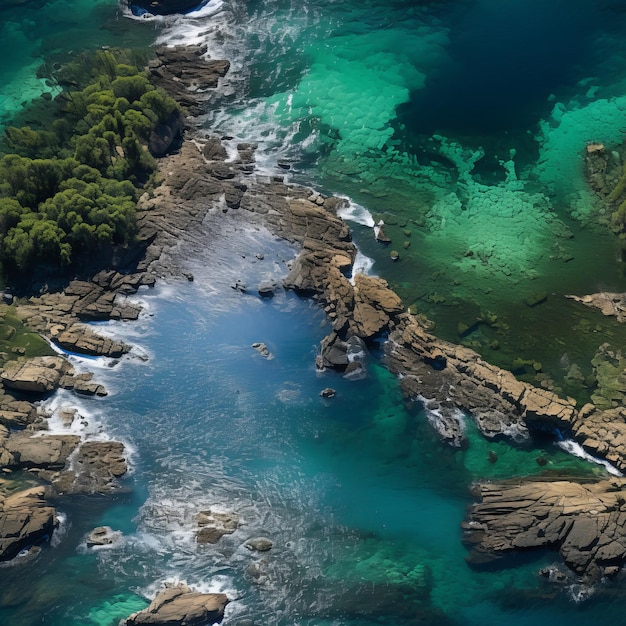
point(179, 606)
point(585, 522)
point(47, 452)
point(82, 340)
point(25, 519)
point(36, 375)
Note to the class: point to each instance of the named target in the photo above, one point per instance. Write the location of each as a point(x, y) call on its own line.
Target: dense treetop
point(68, 192)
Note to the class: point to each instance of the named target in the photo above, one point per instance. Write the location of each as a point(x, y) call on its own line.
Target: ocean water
point(408, 109)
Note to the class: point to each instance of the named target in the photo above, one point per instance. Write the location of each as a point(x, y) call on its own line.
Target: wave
point(576, 449)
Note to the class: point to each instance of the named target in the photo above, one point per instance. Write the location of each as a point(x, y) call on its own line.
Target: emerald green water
point(463, 126)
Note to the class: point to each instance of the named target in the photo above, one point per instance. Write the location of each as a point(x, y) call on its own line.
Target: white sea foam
point(354, 212)
point(362, 265)
point(61, 530)
point(576, 449)
point(440, 418)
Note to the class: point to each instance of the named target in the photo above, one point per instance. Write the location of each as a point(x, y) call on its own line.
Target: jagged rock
point(587, 523)
point(610, 304)
point(37, 375)
point(328, 392)
point(95, 468)
point(246, 152)
point(179, 606)
point(82, 340)
point(49, 452)
point(267, 288)
point(263, 350)
point(25, 519)
point(213, 525)
point(502, 405)
point(374, 306)
point(379, 233)
point(84, 385)
point(102, 536)
point(185, 74)
point(16, 414)
point(333, 354)
point(89, 301)
point(213, 150)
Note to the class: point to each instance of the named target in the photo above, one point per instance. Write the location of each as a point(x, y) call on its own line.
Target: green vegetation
point(17, 340)
point(68, 191)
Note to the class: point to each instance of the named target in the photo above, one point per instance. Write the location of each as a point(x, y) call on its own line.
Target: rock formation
point(179, 606)
point(39, 375)
point(585, 523)
point(26, 519)
point(102, 536)
point(609, 304)
point(213, 525)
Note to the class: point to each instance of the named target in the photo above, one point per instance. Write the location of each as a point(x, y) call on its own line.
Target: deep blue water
point(362, 502)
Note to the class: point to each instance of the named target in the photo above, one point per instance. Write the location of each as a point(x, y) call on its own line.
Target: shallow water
point(362, 502)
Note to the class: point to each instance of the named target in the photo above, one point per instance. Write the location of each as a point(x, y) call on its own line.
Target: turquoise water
point(355, 492)
point(362, 502)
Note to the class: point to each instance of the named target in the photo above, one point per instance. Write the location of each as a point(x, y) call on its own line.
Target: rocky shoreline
point(585, 522)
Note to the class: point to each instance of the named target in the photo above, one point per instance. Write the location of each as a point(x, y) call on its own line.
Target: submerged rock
point(259, 544)
point(164, 7)
point(213, 525)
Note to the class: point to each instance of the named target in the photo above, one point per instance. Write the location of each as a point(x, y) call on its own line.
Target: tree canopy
point(70, 190)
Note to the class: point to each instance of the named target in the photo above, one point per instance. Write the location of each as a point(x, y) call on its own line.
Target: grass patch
point(17, 340)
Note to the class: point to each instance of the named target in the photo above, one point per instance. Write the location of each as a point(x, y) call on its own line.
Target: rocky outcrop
point(585, 523)
point(187, 75)
point(102, 536)
point(95, 468)
point(213, 525)
point(81, 339)
point(179, 606)
point(38, 375)
point(609, 304)
point(451, 377)
point(26, 519)
point(50, 452)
